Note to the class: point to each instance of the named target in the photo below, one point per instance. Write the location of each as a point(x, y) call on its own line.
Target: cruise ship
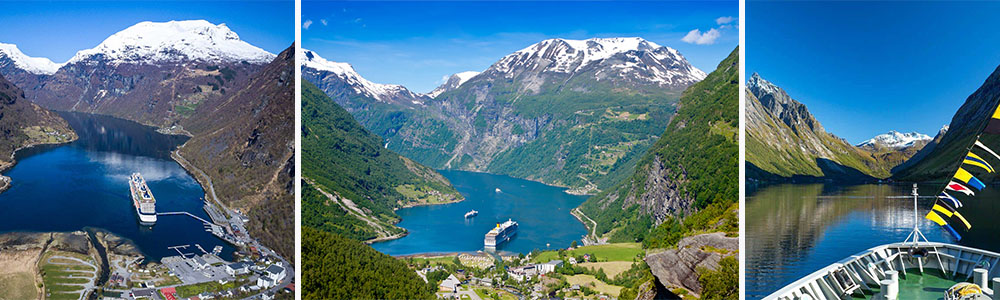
point(500, 234)
point(142, 199)
point(471, 213)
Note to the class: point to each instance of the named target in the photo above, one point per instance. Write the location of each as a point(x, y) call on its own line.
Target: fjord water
point(542, 213)
point(792, 230)
point(84, 184)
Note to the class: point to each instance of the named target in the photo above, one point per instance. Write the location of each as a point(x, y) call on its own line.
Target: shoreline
point(5, 166)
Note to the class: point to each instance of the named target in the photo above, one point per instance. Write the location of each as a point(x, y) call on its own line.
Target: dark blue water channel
point(85, 184)
point(542, 211)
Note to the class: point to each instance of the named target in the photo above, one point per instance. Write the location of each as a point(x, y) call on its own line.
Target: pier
point(183, 213)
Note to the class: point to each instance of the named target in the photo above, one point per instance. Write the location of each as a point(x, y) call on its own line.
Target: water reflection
point(793, 230)
point(84, 184)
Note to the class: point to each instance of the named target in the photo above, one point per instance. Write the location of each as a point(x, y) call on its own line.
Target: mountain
point(941, 158)
point(23, 70)
point(574, 113)
point(352, 183)
point(692, 165)
point(683, 197)
point(154, 73)
point(341, 80)
point(785, 142)
point(245, 143)
point(454, 81)
point(895, 140)
point(24, 124)
point(11, 57)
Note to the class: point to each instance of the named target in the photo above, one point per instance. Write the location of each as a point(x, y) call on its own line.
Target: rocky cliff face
point(678, 268)
point(693, 165)
point(937, 162)
point(245, 143)
point(785, 142)
point(564, 112)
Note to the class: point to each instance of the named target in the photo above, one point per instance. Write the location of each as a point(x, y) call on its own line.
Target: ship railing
point(862, 272)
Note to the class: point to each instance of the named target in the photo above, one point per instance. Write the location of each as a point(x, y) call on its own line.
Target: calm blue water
point(84, 184)
point(542, 213)
point(794, 229)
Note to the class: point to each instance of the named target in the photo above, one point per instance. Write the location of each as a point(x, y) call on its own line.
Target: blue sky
point(57, 30)
point(418, 44)
point(866, 68)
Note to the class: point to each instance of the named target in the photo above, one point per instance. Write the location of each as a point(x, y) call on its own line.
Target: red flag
point(958, 187)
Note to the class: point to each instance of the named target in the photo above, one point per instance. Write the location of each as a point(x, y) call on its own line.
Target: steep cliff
point(23, 124)
point(941, 160)
point(245, 143)
point(785, 142)
point(352, 183)
point(692, 166)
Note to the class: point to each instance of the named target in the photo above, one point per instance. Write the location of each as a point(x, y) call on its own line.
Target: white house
point(450, 284)
point(264, 282)
point(238, 268)
point(275, 272)
point(549, 267)
point(523, 272)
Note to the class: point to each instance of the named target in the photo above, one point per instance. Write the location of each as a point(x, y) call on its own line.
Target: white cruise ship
point(142, 199)
point(500, 234)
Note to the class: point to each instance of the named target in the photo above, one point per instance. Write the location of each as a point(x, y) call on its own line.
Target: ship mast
point(915, 234)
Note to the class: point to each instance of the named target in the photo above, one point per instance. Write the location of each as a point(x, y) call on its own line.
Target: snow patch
point(33, 65)
point(895, 139)
point(346, 72)
point(175, 41)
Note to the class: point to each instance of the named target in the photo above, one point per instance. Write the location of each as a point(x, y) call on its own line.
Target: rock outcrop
point(678, 268)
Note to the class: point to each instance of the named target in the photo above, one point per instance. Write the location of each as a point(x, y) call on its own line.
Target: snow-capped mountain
point(617, 59)
point(325, 74)
point(896, 140)
point(172, 42)
point(454, 81)
point(9, 54)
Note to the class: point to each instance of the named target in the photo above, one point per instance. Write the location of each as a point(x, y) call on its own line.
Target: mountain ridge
point(505, 119)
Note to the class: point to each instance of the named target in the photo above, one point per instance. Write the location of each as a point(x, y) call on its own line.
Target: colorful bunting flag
point(966, 177)
point(987, 149)
point(958, 187)
point(954, 201)
point(946, 210)
point(975, 160)
point(940, 221)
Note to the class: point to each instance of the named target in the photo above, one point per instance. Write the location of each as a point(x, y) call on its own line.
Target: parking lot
point(189, 271)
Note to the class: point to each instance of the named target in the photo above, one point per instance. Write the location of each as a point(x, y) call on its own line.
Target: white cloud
point(306, 24)
point(698, 38)
point(323, 21)
point(724, 20)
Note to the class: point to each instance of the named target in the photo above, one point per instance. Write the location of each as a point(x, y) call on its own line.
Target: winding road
point(85, 287)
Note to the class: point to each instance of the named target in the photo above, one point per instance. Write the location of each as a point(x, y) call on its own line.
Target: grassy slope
point(343, 157)
point(24, 123)
point(774, 149)
point(710, 160)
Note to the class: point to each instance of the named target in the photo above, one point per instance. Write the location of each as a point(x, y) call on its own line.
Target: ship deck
point(930, 285)
point(920, 277)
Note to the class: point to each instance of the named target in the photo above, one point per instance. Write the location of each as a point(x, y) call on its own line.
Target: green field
point(606, 252)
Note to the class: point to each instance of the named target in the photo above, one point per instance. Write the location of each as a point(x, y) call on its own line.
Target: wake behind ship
point(142, 199)
point(500, 234)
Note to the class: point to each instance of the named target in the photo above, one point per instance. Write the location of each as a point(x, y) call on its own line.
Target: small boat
point(471, 213)
point(498, 190)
